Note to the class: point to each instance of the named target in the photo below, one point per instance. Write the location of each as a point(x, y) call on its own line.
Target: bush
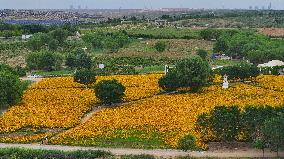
point(241, 71)
point(11, 89)
point(44, 60)
point(109, 41)
point(109, 91)
point(188, 142)
point(192, 72)
point(225, 122)
point(252, 119)
point(202, 53)
point(160, 46)
point(85, 76)
point(7, 153)
point(137, 157)
point(79, 59)
point(169, 82)
point(273, 132)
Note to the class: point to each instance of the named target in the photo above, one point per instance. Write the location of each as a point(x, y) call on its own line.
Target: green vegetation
point(188, 142)
point(44, 60)
point(11, 88)
point(8, 153)
point(59, 73)
point(254, 47)
point(109, 91)
point(160, 46)
point(192, 72)
point(109, 41)
point(78, 59)
point(85, 76)
point(263, 126)
point(240, 71)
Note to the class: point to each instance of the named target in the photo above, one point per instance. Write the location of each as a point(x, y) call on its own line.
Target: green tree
point(252, 119)
point(53, 45)
point(242, 71)
point(188, 142)
point(79, 59)
point(85, 76)
point(202, 53)
point(160, 46)
point(109, 91)
point(225, 122)
point(7, 34)
point(11, 89)
point(44, 60)
point(169, 82)
point(59, 34)
point(37, 41)
point(193, 72)
point(273, 132)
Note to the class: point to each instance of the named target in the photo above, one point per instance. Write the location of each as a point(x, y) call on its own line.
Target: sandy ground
point(166, 153)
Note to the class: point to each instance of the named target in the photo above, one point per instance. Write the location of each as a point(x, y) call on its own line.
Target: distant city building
point(270, 6)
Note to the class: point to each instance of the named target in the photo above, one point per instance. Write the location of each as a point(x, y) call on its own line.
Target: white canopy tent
point(272, 63)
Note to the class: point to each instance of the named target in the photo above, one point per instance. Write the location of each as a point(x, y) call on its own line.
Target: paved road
point(156, 152)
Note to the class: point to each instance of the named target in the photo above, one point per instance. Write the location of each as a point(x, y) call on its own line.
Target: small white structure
point(225, 82)
point(167, 68)
point(85, 48)
point(25, 37)
point(101, 66)
point(272, 63)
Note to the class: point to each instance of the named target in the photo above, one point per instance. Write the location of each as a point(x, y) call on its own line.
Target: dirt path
point(166, 153)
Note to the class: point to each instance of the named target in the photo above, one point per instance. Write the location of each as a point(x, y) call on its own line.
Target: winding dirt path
point(166, 153)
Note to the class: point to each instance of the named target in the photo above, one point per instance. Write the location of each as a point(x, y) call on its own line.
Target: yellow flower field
point(61, 102)
point(271, 82)
point(172, 116)
point(137, 86)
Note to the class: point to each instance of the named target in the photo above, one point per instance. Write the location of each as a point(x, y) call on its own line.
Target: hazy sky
point(110, 4)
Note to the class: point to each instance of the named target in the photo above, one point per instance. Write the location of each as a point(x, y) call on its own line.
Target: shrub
point(241, 71)
point(202, 53)
point(7, 153)
point(11, 89)
point(273, 132)
point(192, 72)
point(252, 118)
point(79, 59)
point(109, 91)
point(187, 143)
point(160, 46)
point(44, 60)
point(169, 82)
point(85, 76)
point(137, 157)
point(225, 122)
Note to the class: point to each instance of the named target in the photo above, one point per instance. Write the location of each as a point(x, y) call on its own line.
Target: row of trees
point(51, 40)
point(49, 61)
point(240, 71)
point(108, 41)
point(252, 46)
point(255, 124)
point(9, 30)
